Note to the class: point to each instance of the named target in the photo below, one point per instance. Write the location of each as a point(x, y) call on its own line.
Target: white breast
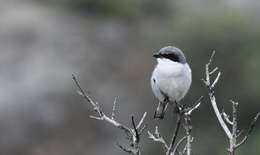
point(171, 78)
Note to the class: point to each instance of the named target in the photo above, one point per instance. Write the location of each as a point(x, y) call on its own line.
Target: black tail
point(160, 111)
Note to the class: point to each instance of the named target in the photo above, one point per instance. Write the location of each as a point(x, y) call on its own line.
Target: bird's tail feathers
point(160, 110)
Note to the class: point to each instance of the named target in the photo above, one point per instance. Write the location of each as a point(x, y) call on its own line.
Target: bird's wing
point(157, 91)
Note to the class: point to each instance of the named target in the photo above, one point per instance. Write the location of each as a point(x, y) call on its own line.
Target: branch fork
point(224, 120)
point(171, 148)
point(133, 133)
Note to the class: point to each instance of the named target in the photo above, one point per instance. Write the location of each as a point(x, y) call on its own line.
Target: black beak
point(156, 55)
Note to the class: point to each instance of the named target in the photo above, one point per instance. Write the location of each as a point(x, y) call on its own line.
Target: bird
point(171, 78)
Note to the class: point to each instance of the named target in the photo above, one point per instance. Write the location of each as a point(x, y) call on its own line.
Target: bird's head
point(171, 53)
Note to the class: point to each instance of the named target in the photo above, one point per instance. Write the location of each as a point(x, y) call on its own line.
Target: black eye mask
point(172, 57)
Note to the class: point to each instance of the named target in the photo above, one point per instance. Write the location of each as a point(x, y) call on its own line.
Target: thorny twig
point(133, 134)
point(231, 133)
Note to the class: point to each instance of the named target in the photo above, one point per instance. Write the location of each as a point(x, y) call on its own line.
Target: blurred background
point(108, 45)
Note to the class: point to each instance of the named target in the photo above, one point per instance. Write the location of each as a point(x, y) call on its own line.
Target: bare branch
point(188, 110)
point(177, 145)
point(97, 108)
point(158, 138)
point(212, 56)
point(114, 109)
point(207, 78)
point(175, 134)
point(220, 119)
point(156, 132)
point(82, 92)
point(212, 97)
point(253, 123)
point(240, 132)
point(194, 108)
point(95, 117)
point(171, 148)
point(141, 121)
point(136, 134)
point(232, 135)
point(216, 80)
point(188, 128)
point(226, 118)
point(185, 149)
point(251, 127)
point(213, 71)
point(142, 129)
point(234, 126)
point(115, 123)
point(132, 133)
point(124, 149)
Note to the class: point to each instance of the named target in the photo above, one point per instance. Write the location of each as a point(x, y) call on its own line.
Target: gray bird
point(171, 78)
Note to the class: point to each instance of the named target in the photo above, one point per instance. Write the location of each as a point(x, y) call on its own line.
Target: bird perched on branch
point(171, 78)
